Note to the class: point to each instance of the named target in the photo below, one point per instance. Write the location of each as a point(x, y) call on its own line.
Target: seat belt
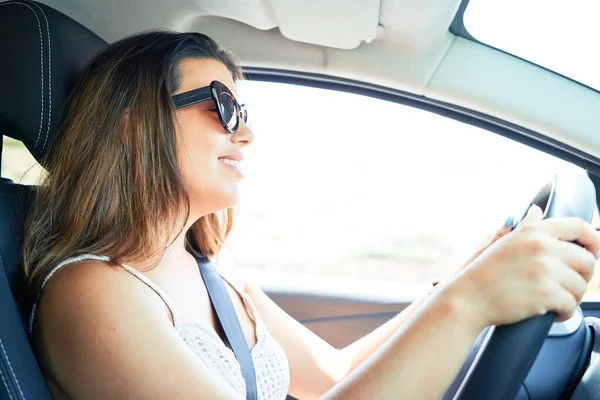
point(229, 321)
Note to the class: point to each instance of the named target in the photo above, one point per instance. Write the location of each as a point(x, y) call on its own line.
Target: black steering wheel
point(508, 352)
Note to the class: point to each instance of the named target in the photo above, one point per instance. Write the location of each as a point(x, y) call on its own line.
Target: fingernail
point(509, 221)
point(598, 255)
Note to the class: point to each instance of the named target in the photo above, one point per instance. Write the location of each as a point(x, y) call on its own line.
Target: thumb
point(534, 213)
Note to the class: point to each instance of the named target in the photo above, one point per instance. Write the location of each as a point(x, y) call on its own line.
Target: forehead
point(197, 73)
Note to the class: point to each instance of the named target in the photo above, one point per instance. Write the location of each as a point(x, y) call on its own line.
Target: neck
point(177, 250)
point(175, 254)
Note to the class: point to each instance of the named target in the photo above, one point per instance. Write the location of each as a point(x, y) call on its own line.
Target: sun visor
point(338, 24)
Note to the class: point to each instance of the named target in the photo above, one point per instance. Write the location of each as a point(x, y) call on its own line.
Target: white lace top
point(270, 362)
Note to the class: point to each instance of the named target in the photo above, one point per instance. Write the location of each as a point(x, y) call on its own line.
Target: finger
point(578, 259)
point(573, 282)
point(574, 230)
point(504, 229)
point(534, 213)
point(563, 303)
point(485, 242)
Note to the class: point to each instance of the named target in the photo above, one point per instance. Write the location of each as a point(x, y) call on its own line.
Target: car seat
point(42, 51)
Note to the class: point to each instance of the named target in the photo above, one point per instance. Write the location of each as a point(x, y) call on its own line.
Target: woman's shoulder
point(88, 292)
point(125, 344)
point(77, 278)
point(81, 267)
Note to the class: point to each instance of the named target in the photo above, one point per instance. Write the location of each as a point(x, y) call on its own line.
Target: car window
point(18, 164)
point(344, 185)
point(554, 34)
point(348, 186)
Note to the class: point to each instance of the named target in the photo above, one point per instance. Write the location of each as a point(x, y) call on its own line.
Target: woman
point(140, 174)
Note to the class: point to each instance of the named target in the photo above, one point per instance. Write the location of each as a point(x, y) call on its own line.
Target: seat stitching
point(49, 76)
point(2, 375)
point(41, 62)
point(11, 369)
point(6, 385)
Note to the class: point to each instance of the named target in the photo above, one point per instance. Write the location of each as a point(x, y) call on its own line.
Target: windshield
point(559, 35)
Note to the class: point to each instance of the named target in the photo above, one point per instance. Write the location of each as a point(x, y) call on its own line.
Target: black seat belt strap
point(229, 322)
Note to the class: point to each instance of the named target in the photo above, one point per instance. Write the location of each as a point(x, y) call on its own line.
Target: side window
point(18, 164)
point(343, 185)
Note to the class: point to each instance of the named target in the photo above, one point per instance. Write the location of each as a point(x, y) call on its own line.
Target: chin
point(230, 197)
point(229, 204)
point(216, 201)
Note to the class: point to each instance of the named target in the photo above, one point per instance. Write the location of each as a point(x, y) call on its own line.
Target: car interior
point(409, 51)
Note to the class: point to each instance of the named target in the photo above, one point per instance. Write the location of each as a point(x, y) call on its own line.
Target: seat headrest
point(42, 51)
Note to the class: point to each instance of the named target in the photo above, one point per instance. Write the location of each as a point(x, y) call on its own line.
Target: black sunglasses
point(229, 110)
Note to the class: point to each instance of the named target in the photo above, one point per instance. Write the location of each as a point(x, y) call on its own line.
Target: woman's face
point(209, 157)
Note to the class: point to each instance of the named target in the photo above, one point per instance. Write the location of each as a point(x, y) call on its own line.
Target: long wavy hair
point(113, 186)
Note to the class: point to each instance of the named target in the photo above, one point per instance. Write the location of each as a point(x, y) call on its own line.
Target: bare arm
point(359, 351)
point(422, 357)
point(534, 270)
point(103, 335)
point(316, 366)
point(524, 274)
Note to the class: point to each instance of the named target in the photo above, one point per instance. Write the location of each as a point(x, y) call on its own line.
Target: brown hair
point(113, 186)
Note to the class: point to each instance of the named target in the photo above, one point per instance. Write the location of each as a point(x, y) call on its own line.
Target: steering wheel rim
point(509, 351)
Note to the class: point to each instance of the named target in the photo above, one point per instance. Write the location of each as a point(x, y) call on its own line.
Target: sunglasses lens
point(227, 107)
point(244, 113)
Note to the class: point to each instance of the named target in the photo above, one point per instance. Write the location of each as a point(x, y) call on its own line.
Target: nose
point(244, 136)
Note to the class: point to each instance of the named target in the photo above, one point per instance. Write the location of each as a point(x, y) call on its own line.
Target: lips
point(229, 161)
point(234, 159)
point(234, 155)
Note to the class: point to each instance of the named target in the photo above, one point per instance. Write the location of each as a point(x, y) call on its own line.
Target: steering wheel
point(509, 351)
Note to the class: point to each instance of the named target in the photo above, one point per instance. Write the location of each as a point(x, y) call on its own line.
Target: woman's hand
point(491, 239)
point(532, 270)
point(534, 214)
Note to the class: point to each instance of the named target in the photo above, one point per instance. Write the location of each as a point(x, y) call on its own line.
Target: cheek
point(197, 161)
point(197, 153)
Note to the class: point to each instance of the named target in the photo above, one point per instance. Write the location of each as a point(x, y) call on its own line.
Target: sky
point(557, 34)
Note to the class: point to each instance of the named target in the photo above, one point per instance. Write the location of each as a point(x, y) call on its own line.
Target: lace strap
point(54, 271)
point(131, 270)
point(174, 313)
